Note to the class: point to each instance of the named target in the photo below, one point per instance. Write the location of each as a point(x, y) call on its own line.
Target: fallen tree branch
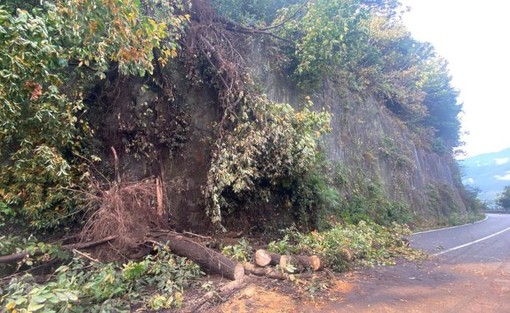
point(15, 257)
point(287, 19)
point(224, 292)
point(196, 235)
point(11, 258)
point(90, 244)
point(85, 256)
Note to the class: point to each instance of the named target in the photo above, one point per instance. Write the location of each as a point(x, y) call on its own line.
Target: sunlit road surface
point(469, 272)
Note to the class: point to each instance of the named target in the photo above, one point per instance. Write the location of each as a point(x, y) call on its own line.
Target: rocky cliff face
point(373, 148)
point(376, 148)
point(373, 153)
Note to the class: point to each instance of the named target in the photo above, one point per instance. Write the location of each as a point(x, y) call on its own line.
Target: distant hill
point(489, 172)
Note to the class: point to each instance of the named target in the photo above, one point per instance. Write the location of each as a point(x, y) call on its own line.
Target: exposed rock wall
point(368, 143)
point(368, 138)
point(373, 146)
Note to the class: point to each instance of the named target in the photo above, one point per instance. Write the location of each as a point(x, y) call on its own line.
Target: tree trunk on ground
point(208, 259)
point(299, 263)
point(265, 271)
point(265, 258)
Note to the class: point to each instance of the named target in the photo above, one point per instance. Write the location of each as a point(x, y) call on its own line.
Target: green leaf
point(33, 307)
point(38, 299)
point(72, 295)
point(61, 296)
point(21, 300)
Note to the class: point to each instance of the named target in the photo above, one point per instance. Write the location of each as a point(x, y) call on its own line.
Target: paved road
point(469, 272)
point(467, 241)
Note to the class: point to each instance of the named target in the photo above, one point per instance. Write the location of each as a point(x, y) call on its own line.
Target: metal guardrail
point(497, 211)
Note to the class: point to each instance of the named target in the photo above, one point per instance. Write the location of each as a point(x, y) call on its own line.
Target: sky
point(473, 36)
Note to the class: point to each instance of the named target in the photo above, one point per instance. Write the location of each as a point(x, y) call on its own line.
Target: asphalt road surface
point(469, 271)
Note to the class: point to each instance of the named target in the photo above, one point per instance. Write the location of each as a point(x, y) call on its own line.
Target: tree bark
point(208, 259)
point(265, 271)
point(300, 263)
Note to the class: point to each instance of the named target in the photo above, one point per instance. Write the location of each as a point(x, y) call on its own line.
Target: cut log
point(265, 271)
point(265, 258)
point(208, 259)
point(299, 263)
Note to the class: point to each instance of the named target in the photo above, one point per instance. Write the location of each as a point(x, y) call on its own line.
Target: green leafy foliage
point(365, 46)
point(53, 51)
point(325, 36)
point(270, 143)
point(343, 246)
point(442, 106)
point(36, 250)
point(157, 282)
point(35, 253)
point(504, 198)
point(38, 120)
point(49, 49)
point(365, 199)
point(120, 31)
point(474, 205)
point(314, 196)
point(242, 251)
point(251, 12)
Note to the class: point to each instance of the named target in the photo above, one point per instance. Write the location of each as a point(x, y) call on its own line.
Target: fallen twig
point(85, 256)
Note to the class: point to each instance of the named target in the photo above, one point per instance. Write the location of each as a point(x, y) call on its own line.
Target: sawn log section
point(208, 259)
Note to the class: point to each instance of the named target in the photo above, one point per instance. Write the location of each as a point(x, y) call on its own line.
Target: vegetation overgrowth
point(51, 65)
point(503, 199)
point(344, 246)
point(86, 285)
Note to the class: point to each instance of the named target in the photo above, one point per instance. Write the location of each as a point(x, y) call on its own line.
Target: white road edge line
point(451, 227)
point(472, 242)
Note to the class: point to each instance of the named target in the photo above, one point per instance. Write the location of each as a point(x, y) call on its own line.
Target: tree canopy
point(504, 198)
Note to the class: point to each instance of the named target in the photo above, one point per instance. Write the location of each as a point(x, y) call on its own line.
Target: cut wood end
point(262, 258)
point(238, 271)
point(315, 263)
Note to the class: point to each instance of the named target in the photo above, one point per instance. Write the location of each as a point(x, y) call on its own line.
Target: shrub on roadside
point(344, 246)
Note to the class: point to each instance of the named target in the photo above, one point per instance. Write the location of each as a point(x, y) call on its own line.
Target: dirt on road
point(430, 286)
